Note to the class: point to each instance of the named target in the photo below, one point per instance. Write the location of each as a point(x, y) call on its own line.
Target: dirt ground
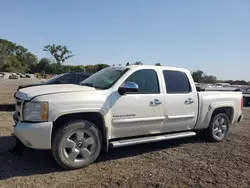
point(191, 162)
point(8, 88)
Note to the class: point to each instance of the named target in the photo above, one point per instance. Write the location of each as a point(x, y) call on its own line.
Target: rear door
point(181, 100)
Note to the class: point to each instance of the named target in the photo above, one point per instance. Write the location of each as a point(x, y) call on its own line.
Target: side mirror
point(128, 87)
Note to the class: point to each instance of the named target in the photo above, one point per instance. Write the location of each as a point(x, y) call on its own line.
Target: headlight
point(35, 111)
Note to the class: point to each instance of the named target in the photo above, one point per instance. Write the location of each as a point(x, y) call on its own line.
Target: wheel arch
point(93, 117)
point(228, 110)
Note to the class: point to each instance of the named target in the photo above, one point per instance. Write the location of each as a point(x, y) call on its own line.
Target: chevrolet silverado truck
point(120, 106)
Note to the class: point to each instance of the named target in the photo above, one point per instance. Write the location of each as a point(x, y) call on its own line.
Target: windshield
point(53, 79)
point(105, 78)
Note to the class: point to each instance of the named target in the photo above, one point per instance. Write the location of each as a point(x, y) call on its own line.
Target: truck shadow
point(34, 162)
point(135, 150)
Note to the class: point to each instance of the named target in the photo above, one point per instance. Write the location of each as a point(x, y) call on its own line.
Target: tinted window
point(147, 81)
point(53, 79)
point(67, 79)
point(81, 78)
point(176, 82)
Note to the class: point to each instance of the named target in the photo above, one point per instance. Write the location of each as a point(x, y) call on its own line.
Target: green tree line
point(16, 58)
point(201, 77)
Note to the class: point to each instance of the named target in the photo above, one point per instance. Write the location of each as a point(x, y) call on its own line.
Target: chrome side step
point(134, 141)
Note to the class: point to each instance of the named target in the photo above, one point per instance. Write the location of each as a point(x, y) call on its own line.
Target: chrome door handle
point(155, 102)
point(189, 101)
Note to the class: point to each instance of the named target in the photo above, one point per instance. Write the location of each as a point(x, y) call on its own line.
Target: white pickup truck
point(120, 106)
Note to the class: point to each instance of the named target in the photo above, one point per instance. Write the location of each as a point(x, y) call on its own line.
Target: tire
point(218, 130)
point(76, 144)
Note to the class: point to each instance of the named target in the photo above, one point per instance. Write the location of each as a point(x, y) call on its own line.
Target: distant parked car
point(1, 75)
point(13, 76)
point(27, 76)
point(22, 75)
point(65, 78)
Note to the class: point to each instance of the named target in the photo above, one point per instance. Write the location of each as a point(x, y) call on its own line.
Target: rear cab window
point(176, 82)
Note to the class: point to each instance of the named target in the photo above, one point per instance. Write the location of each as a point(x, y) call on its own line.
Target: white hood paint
point(30, 92)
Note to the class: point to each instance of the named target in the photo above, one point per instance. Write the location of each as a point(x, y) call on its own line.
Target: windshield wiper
point(90, 85)
point(87, 84)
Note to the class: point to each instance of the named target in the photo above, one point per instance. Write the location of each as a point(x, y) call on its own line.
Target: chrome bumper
point(34, 135)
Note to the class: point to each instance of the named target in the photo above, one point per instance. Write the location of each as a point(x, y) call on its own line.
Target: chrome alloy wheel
point(79, 146)
point(220, 127)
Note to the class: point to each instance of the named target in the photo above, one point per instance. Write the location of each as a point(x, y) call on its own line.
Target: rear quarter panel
point(210, 101)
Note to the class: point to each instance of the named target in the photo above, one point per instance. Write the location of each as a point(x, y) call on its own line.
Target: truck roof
point(160, 67)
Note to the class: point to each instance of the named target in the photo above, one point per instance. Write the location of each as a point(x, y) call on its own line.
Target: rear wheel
point(76, 144)
point(218, 127)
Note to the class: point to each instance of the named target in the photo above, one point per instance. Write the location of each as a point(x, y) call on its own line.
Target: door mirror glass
point(128, 87)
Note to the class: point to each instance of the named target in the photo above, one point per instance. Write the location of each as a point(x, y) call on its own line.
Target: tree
point(90, 68)
point(7, 47)
point(20, 51)
point(30, 60)
point(127, 64)
point(138, 63)
point(12, 64)
point(3, 60)
point(198, 76)
point(44, 65)
point(100, 67)
point(95, 68)
point(157, 64)
point(78, 68)
point(239, 82)
point(229, 81)
point(16, 55)
point(59, 52)
point(209, 79)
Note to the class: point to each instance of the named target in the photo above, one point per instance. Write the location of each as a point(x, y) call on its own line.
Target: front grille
point(18, 107)
point(18, 102)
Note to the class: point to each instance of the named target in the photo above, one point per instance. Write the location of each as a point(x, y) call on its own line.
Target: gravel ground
point(8, 87)
point(190, 162)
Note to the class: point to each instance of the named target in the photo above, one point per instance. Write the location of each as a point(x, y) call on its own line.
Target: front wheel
point(76, 144)
point(218, 127)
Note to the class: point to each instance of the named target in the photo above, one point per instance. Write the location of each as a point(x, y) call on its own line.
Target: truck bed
point(209, 100)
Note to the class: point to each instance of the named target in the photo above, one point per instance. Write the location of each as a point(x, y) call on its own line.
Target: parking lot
point(191, 162)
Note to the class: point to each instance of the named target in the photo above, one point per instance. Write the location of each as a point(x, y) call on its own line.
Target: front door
point(140, 113)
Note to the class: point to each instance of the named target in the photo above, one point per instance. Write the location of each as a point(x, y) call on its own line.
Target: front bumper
point(34, 135)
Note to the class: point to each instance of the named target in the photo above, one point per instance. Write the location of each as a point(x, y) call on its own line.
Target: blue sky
point(193, 34)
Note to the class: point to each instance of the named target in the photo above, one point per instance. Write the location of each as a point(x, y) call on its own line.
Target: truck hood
point(31, 92)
